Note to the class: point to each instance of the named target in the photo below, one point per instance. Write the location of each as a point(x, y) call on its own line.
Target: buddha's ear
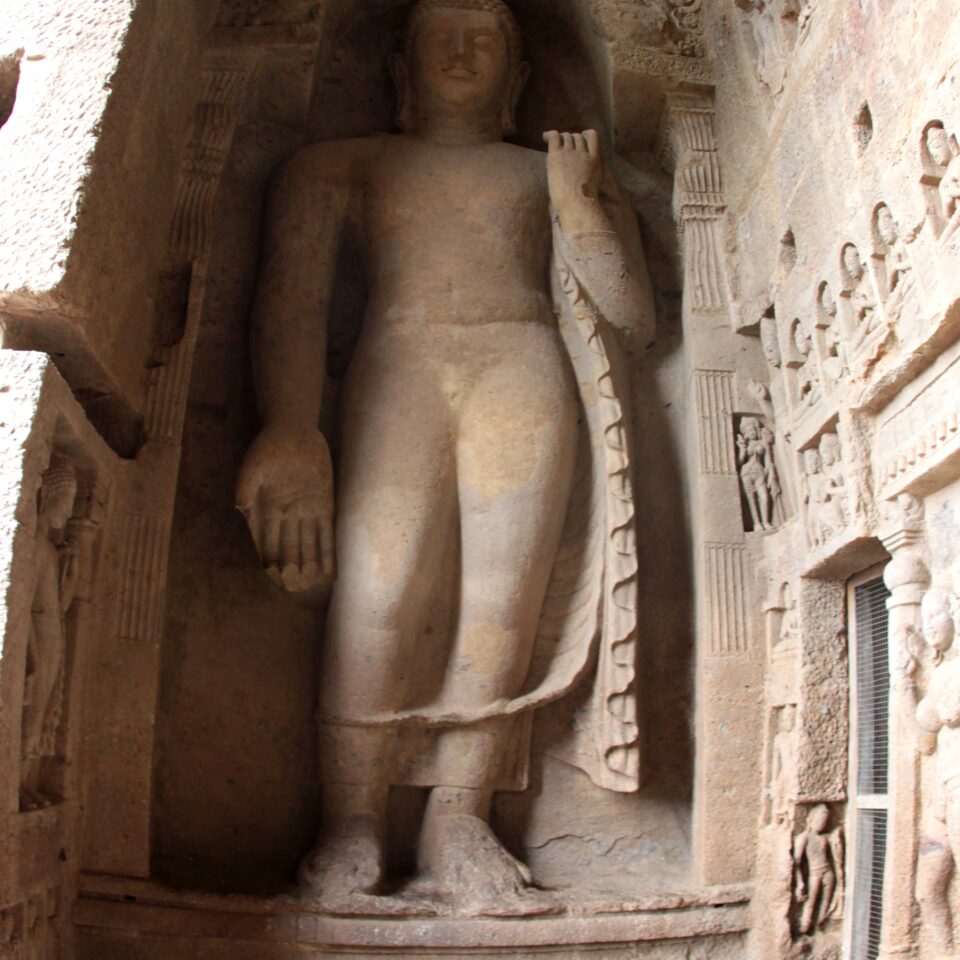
point(401, 79)
point(517, 83)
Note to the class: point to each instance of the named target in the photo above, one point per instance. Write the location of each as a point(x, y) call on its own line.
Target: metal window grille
point(872, 658)
point(873, 687)
point(868, 904)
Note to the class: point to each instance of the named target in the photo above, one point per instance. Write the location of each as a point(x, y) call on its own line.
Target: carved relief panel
point(826, 504)
point(760, 488)
point(940, 179)
point(69, 513)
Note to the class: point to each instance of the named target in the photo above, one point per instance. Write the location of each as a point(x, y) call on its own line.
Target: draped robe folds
point(588, 627)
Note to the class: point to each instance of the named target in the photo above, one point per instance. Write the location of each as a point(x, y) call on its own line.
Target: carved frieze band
point(143, 576)
point(919, 433)
point(714, 399)
point(726, 619)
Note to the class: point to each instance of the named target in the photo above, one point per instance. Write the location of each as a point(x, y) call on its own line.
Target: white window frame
point(856, 801)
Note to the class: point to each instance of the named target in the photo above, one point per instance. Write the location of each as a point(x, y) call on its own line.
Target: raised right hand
point(285, 492)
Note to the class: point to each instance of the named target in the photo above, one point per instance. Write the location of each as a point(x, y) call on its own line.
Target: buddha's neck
point(457, 131)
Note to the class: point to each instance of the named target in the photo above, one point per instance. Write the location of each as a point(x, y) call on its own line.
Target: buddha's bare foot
point(469, 867)
point(346, 863)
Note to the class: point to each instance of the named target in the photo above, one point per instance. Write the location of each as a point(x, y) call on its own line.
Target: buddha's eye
point(487, 41)
point(440, 37)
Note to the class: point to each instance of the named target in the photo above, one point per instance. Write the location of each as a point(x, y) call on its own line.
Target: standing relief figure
point(866, 317)
point(938, 719)
point(56, 575)
point(818, 859)
point(783, 767)
point(758, 474)
point(481, 413)
point(808, 380)
point(899, 275)
point(945, 156)
point(824, 491)
point(835, 354)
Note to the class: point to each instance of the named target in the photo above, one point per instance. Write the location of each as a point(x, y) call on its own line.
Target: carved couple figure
point(758, 474)
point(482, 457)
point(824, 490)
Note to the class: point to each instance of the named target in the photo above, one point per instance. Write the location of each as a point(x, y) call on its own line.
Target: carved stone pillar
point(908, 578)
point(124, 694)
point(729, 667)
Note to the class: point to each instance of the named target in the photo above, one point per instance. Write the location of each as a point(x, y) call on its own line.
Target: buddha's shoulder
point(524, 157)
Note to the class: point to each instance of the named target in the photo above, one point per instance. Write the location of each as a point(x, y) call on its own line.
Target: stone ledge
point(143, 909)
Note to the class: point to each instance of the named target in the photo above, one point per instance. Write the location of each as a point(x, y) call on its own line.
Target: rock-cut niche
point(236, 801)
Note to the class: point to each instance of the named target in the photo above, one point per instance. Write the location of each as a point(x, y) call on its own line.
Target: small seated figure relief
point(758, 474)
point(943, 153)
point(866, 315)
point(899, 276)
point(818, 861)
point(789, 636)
point(783, 767)
point(464, 413)
point(938, 719)
point(56, 576)
point(835, 354)
point(809, 390)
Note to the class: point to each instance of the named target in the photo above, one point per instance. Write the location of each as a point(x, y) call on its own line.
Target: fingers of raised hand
point(586, 142)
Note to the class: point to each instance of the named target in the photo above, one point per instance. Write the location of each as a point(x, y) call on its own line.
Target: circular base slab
point(121, 919)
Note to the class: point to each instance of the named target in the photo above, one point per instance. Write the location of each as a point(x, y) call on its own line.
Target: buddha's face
point(886, 226)
point(829, 451)
point(827, 302)
point(938, 626)
point(57, 506)
point(938, 146)
point(819, 819)
point(851, 260)
point(461, 62)
point(811, 462)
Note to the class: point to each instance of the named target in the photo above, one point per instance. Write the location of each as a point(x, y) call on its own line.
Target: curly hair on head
point(60, 475)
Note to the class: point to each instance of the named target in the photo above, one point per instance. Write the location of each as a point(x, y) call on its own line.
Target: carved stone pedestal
point(130, 920)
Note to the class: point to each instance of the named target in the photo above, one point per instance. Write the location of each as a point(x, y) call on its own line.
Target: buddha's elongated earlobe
point(406, 107)
point(508, 116)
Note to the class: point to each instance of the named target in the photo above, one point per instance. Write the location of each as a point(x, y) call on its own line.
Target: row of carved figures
point(849, 332)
